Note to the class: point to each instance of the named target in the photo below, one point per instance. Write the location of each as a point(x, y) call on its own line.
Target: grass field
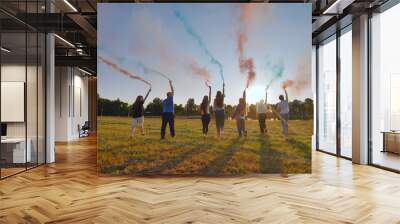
point(190, 153)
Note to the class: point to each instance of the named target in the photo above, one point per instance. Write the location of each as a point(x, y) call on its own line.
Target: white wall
point(71, 103)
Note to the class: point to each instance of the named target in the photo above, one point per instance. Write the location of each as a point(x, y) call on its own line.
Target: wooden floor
point(70, 191)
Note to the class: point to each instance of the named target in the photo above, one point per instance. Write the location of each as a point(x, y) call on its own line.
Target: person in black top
point(205, 112)
point(138, 113)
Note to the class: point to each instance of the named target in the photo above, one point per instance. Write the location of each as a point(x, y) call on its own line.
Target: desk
point(13, 150)
point(391, 141)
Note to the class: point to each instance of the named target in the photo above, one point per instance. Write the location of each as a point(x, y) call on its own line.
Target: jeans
point(261, 122)
point(220, 119)
point(205, 120)
point(167, 118)
point(241, 126)
point(284, 122)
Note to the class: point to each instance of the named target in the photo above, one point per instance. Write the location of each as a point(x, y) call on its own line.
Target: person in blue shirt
point(168, 113)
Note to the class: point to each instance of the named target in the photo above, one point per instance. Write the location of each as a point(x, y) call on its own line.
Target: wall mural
point(204, 89)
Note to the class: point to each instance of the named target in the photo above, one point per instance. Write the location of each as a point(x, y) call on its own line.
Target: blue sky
point(152, 35)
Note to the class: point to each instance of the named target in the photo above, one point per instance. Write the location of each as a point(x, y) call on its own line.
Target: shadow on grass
point(270, 159)
point(303, 148)
point(169, 164)
point(216, 166)
point(158, 169)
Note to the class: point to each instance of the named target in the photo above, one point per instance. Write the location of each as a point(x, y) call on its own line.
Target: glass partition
point(22, 101)
point(14, 154)
point(346, 93)
point(327, 95)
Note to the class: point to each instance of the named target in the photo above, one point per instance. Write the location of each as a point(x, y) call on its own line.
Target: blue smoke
point(276, 71)
point(200, 42)
point(146, 70)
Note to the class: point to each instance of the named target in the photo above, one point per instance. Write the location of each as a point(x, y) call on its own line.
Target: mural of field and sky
point(239, 48)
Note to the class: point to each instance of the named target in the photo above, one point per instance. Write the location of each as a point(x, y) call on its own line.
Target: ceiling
point(76, 22)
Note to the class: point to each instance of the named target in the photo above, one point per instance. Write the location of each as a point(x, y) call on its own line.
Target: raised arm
point(223, 89)
point(148, 92)
point(172, 88)
point(209, 95)
point(287, 98)
point(244, 99)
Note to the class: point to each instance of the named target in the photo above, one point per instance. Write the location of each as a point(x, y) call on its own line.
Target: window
point(327, 95)
point(346, 93)
point(385, 89)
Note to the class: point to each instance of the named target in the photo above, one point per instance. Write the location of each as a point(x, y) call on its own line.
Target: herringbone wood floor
point(70, 191)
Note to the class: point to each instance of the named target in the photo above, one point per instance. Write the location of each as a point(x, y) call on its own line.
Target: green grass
point(190, 153)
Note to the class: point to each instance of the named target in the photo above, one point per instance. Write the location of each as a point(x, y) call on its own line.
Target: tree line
point(299, 110)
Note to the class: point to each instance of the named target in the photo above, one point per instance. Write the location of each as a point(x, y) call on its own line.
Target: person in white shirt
point(261, 109)
point(283, 110)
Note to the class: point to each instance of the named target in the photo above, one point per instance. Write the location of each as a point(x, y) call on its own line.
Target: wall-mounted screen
point(12, 101)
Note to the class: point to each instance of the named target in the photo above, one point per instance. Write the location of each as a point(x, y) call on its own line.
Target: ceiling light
point(84, 71)
point(65, 41)
point(70, 5)
point(5, 50)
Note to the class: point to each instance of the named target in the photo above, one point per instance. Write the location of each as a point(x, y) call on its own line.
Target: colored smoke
point(123, 70)
point(200, 42)
point(287, 83)
point(146, 70)
point(200, 71)
point(276, 72)
point(246, 64)
point(302, 77)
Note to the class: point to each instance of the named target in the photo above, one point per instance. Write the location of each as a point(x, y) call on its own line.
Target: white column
point(50, 92)
point(360, 90)
point(50, 100)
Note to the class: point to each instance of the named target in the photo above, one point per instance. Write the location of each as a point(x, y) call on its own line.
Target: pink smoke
point(287, 83)
point(200, 71)
point(246, 64)
point(302, 77)
point(122, 70)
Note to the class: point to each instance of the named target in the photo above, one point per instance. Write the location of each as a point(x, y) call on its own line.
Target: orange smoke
point(202, 72)
point(246, 64)
point(302, 77)
point(199, 71)
point(247, 12)
point(287, 83)
point(122, 70)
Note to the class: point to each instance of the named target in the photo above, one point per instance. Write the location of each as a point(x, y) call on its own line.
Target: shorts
point(136, 121)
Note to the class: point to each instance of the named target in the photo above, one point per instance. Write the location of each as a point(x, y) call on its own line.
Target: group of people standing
point(168, 118)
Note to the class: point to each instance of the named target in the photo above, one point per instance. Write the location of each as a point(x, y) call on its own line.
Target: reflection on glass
point(327, 96)
point(31, 100)
point(346, 94)
point(14, 153)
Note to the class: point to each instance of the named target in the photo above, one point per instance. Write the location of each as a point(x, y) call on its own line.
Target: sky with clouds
point(133, 35)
